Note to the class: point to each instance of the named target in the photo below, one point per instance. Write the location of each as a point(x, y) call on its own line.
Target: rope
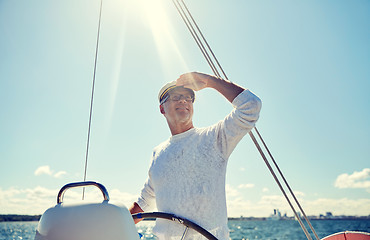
point(195, 36)
point(92, 98)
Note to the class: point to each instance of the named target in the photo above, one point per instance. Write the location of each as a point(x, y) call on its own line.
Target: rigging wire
point(195, 36)
point(187, 22)
point(280, 186)
point(92, 97)
point(286, 183)
point(205, 41)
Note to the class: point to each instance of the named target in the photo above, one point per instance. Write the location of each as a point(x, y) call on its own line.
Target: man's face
point(177, 109)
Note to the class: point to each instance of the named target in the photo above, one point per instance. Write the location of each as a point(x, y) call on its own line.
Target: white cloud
point(47, 171)
point(355, 180)
point(274, 201)
point(240, 207)
point(240, 204)
point(43, 170)
point(342, 206)
point(299, 194)
point(231, 192)
point(37, 200)
point(122, 198)
point(247, 185)
point(60, 174)
point(26, 201)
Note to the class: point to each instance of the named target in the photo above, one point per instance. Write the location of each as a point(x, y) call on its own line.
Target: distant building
point(329, 215)
point(275, 216)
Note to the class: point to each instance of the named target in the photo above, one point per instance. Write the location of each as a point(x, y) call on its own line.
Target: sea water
point(268, 230)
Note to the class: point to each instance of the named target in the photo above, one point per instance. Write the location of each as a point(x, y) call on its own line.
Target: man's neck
point(180, 128)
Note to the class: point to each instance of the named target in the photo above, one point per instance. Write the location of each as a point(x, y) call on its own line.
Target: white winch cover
point(96, 221)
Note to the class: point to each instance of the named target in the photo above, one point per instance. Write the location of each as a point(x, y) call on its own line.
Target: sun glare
point(154, 11)
point(156, 16)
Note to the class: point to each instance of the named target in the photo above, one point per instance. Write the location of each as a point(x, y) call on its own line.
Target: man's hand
point(135, 208)
point(193, 80)
point(197, 81)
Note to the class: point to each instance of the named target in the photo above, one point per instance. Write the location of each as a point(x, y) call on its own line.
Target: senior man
point(187, 172)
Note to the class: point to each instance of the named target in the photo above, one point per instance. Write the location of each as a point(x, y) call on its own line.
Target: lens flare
point(159, 22)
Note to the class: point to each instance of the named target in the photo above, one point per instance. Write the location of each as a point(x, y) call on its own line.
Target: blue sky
point(307, 60)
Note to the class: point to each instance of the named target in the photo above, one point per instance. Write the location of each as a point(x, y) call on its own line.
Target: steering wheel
point(172, 217)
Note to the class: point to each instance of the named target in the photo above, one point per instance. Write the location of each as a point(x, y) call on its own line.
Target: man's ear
point(161, 109)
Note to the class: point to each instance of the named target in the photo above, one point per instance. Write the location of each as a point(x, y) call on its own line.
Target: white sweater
point(187, 173)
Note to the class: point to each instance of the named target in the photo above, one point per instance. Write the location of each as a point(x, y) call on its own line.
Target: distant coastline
point(27, 218)
point(292, 218)
point(19, 218)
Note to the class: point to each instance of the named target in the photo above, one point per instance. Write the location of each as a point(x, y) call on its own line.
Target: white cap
point(167, 88)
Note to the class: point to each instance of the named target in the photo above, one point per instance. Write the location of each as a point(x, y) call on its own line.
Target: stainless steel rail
point(82, 184)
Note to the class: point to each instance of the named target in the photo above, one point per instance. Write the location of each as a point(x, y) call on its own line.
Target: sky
point(307, 60)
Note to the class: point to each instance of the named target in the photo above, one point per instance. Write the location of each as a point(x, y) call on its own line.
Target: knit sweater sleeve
point(146, 200)
point(238, 123)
